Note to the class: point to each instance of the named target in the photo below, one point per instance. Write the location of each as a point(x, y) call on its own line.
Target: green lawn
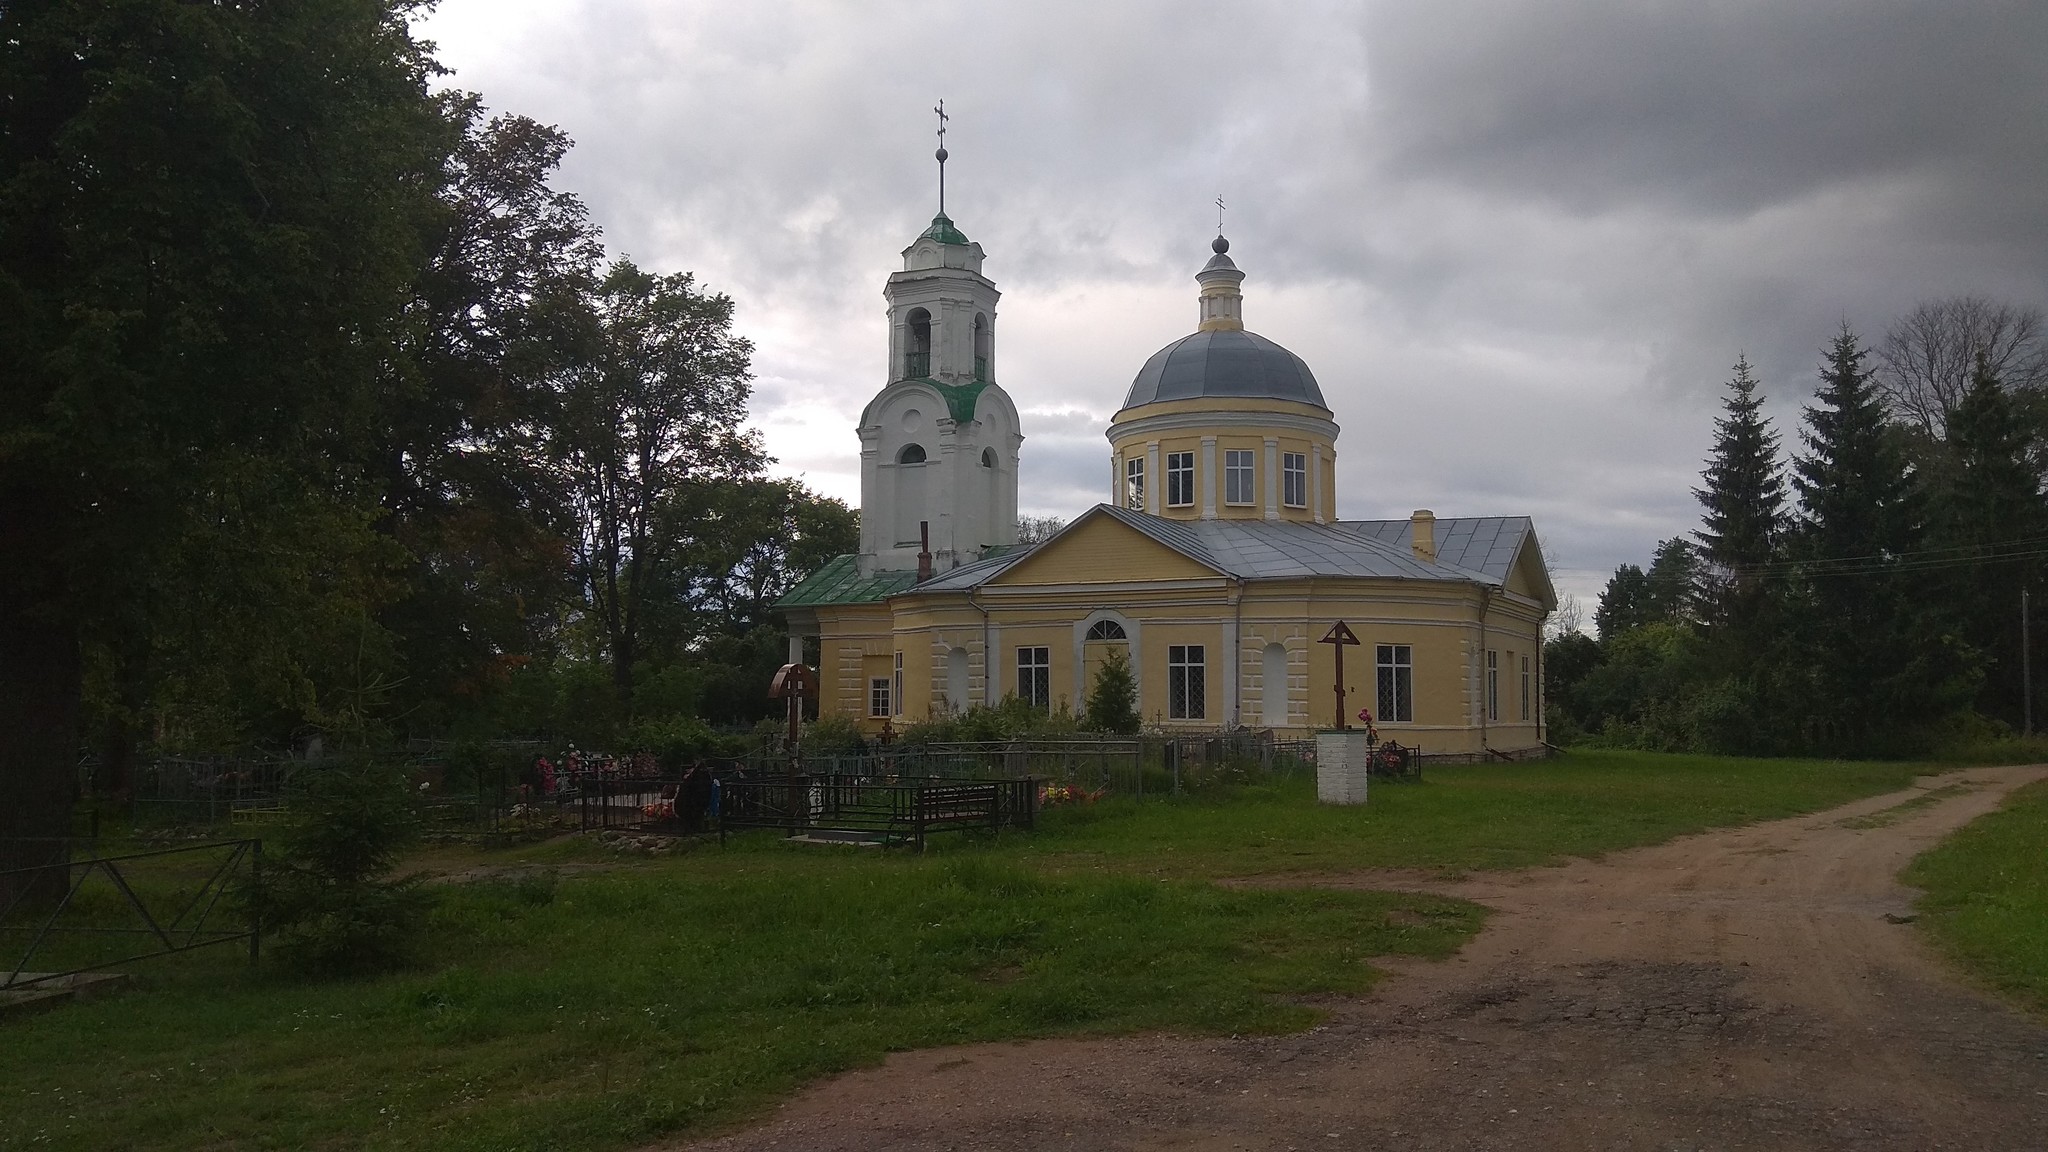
point(1987, 896)
point(673, 996)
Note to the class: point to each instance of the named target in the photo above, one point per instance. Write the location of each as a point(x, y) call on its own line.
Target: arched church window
point(981, 346)
point(988, 457)
point(917, 361)
point(911, 454)
point(1107, 630)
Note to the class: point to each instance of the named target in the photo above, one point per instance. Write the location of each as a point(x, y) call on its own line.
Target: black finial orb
point(941, 154)
point(1219, 245)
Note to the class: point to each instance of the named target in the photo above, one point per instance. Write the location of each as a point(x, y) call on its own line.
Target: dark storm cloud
point(1710, 107)
point(1520, 244)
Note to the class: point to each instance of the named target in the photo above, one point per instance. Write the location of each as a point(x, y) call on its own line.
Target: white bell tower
point(938, 443)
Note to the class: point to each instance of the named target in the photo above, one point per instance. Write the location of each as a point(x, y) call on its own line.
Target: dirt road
point(1742, 989)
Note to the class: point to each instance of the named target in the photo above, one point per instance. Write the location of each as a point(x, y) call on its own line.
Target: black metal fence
point(82, 906)
point(901, 811)
point(1134, 766)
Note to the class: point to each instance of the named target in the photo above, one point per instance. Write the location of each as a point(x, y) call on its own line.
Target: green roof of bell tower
point(943, 231)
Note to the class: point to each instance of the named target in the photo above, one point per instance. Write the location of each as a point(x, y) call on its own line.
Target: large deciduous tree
point(209, 230)
point(1929, 356)
point(651, 410)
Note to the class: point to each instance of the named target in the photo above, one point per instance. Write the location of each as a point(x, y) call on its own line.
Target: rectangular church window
point(896, 686)
point(1134, 483)
point(1293, 479)
point(1237, 476)
point(1187, 687)
point(1525, 687)
point(878, 697)
point(1034, 676)
point(1396, 683)
point(1492, 685)
point(1180, 479)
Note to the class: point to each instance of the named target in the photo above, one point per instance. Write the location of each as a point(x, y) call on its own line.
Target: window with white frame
point(1187, 682)
point(1525, 688)
point(1294, 479)
point(1134, 483)
point(1239, 468)
point(1180, 479)
point(1492, 685)
point(1396, 667)
point(896, 687)
point(1034, 676)
point(879, 697)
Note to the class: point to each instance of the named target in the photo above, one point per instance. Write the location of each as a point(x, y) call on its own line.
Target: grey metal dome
point(1225, 362)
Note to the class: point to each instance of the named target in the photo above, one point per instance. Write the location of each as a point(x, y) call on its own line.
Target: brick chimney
point(924, 551)
point(1422, 535)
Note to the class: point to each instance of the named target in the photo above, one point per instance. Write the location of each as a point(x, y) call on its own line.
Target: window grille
point(1187, 687)
point(1034, 676)
point(1396, 684)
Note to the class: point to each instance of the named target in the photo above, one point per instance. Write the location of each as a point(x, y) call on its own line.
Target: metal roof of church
point(1226, 362)
point(1476, 548)
point(1486, 544)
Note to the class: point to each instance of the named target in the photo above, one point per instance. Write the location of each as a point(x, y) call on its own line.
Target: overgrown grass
point(643, 999)
point(625, 1005)
point(1584, 803)
point(1987, 896)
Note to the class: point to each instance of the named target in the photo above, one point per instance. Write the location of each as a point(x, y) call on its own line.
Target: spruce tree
point(1991, 504)
point(1624, 603)
point(1673, 582)
point(1878, 670)
point(1744, 498)
point(1112, 704)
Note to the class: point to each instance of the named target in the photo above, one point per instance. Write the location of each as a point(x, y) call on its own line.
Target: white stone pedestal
point(1343, 766)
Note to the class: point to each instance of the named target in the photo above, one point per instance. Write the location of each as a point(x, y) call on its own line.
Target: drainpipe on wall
point(1485, 688)
point(1237, 657)
point(987, 657)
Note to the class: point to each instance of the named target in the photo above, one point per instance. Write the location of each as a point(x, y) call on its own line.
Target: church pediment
point(1100, 549)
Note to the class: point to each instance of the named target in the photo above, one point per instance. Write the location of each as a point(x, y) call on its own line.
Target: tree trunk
point(39, 697)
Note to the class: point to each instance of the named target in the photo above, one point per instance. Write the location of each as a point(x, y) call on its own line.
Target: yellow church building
point(1217, 565)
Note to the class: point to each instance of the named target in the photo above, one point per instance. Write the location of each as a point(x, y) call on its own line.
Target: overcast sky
point(1519, 244)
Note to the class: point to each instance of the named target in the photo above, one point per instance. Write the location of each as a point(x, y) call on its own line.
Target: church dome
point(1224, 362)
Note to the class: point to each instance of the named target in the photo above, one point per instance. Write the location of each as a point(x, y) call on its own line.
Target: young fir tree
point(1113, 698)
point(1624, 603)
point(1673, 582)
point(1877, 671)
point(1744, 498)
point(1990, 507)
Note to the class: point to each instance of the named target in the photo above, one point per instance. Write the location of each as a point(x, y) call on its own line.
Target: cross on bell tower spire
point(941, 154)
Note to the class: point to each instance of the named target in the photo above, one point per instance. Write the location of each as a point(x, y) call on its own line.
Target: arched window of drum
point(988, 457)
point(917, 359)
point(982, 345)
point(911, 454)
point(1107, 630)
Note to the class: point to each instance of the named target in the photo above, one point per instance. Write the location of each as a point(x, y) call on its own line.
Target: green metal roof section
point(943, 231)
point(839, 582)
point(960, 398)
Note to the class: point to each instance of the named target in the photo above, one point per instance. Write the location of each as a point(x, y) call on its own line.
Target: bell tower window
point(917, 358)
point(911, 454)
point(982, 345)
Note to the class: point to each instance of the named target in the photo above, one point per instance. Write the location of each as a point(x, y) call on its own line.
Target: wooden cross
point(1338, 637)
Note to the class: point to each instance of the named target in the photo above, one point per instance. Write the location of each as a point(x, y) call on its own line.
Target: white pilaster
point(1211, 477)
point(1315, 484)
point(1153, 480)
point(1272, 478)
